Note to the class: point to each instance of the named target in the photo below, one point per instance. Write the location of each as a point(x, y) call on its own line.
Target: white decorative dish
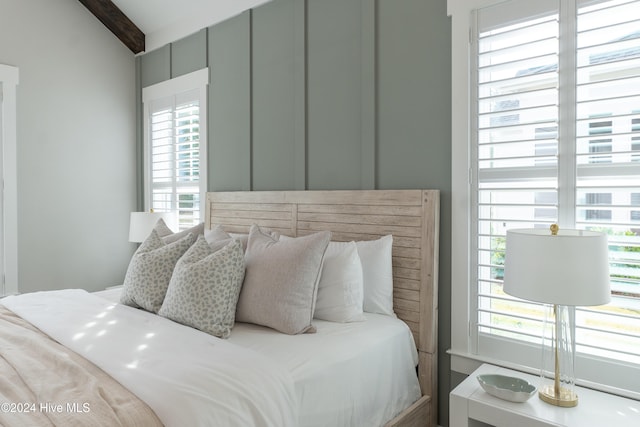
point(508, 388)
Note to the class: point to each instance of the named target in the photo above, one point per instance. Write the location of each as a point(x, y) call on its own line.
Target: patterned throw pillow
point(162, 228)
point(204, 288)
point(150, 270)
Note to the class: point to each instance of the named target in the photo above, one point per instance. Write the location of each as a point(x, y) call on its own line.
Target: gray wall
point(76, 160)
point(328, 94)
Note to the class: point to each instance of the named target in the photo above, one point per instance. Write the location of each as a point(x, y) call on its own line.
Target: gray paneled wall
point(229, 130)
point(279, 96)
point(322, 94)
point(328, 94)
point(334, 103)
point(155, 67)
point(189, 54)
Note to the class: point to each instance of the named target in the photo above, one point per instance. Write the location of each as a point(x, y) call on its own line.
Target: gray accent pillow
point(217, 234)
point(204, 288)
point(196, 230)
point(150, 270)
point(281, 281)
point(217, 237)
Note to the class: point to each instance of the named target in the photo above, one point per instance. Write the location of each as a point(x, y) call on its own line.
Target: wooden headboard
point(411, 216)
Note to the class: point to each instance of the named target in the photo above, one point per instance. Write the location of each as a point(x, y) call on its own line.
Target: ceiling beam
point(116, 21)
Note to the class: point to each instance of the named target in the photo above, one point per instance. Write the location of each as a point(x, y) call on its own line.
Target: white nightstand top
point(470, 402)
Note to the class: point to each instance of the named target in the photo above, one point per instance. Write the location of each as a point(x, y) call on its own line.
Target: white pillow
point(375, 256)
point(341, 288)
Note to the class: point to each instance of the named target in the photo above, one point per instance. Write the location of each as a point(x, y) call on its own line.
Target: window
point(175, 147)
point(563, 151)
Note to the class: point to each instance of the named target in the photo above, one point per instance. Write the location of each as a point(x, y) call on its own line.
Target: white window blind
point(174, 155)
point(557, 139)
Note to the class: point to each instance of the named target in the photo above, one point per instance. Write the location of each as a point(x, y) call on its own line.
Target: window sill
point(467, 363)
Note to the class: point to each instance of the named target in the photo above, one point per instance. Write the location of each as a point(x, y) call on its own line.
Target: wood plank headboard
point(411, 216)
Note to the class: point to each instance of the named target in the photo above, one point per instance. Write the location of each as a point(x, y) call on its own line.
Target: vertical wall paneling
point(300, 94)
point(139, 136)
point(414, 128)
point(368, 95)
point(329, 94)
point(230, 104)
point(155, 66)
point(273, 96)
point(334, 94)
point(189, 54)
point(413, 94)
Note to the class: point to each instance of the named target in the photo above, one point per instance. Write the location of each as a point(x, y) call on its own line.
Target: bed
point(339, 373)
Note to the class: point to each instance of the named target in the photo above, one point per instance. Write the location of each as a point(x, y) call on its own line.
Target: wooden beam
point(117, 22)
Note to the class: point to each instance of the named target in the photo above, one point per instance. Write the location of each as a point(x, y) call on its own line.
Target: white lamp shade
point(141, 224)
point(570, 268)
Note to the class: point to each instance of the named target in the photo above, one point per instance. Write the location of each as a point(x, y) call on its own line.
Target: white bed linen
point(187, 377)
point(346, 374)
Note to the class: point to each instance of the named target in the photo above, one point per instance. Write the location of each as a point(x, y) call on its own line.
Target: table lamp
point(141, 223)
point(564, 268)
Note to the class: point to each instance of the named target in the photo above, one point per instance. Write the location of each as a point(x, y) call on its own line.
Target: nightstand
point(471, 406)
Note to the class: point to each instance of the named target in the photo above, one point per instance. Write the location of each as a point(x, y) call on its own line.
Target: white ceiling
point(164, 21)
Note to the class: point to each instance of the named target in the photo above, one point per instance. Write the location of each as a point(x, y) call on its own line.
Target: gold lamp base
point(565, 398)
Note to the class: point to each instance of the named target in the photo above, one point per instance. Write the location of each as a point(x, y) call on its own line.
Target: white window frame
point(9, 79)
point(197, 80)
point(464, 357)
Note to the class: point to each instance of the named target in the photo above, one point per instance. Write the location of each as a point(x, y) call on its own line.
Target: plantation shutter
point(174, 157)
point(557, 140)
point(608, 166)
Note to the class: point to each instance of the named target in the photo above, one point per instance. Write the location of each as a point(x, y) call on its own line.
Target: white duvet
point(359, 374)
point(187, 377)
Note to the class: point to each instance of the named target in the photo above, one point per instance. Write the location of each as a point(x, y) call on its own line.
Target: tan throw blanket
point(42, 383)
